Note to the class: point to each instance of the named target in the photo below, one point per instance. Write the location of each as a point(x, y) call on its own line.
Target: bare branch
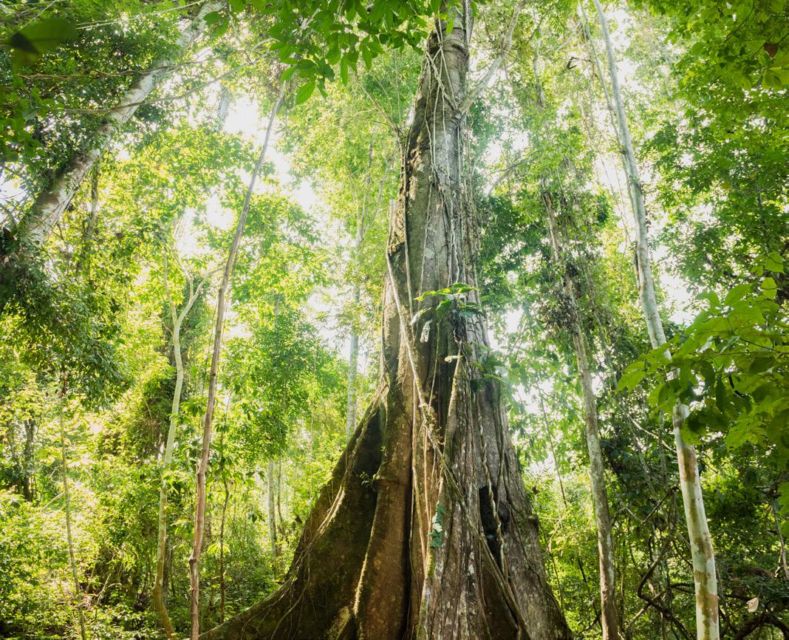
point(504, 50)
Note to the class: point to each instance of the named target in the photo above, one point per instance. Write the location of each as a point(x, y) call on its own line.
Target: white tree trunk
point(221, 304)
point(167, 457)
point(353, 360)
point(704, 574)
point(353, 356)
point(47, 210)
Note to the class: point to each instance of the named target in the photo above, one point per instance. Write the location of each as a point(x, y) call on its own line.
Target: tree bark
point(425, 529)
point(703, 557)
point(177, 319)
point(47, 210)
point(205, 451)
point(605, 549)
point(222, 582)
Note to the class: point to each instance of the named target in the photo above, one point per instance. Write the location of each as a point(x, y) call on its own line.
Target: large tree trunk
point(703, 557)
point(425, 529)
point(47, 210)
point(605, 546)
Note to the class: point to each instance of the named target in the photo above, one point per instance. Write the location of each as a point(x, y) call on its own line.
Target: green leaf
point(776, 77)
point(694, 427)
point(631, 376)
point(774, 262)
point(769, 288)
point(367, 56)
point(740, 434)
point(761, 364)
point(39, 37)
point(333, 55)
point(305, 91)
point(218, 23)
point(707, 371)
point(721, 397)
point(344, 71)
point(288, 74)
point(665, 396)
point(695, 422)
point(737, 293)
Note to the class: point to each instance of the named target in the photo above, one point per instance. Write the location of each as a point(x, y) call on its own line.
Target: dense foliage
point(87, 362)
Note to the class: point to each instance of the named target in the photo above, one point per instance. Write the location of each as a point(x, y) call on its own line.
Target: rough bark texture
point(703, 557)
point(609, 618)
point(425, 529)
point(47, 210)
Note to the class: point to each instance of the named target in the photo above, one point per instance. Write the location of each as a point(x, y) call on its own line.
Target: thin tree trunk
point(425, 529)
point(222, 585)
point(353, 356)
point(605, 549)
point(202, 468)
point(270, 504)
point(72, 560)
point(703, 557)
point(177, 319)
point(47, 210)
point(353, 359)
point(782, 564)
point(279, 497)
point(272, 513)
point(609, 618)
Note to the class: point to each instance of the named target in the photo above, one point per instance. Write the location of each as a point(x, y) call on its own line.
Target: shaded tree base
point(326, 594)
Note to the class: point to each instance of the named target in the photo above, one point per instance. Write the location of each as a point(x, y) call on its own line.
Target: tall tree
point(425, 529)
point(177, 318)
point(558, 207)
point(213, 373)
point(50, 204)
point(704, 574)
point(605, 544)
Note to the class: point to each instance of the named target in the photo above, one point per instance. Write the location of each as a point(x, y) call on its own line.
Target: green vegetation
point(497, 264)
